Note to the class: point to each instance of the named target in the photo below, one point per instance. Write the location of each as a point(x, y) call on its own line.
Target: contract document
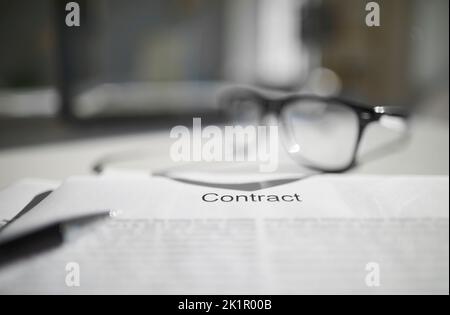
point(331, 234)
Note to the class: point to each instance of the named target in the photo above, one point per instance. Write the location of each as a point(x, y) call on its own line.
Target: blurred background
point(141, 66)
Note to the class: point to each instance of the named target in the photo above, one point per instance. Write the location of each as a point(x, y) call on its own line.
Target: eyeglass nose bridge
point(273, 107)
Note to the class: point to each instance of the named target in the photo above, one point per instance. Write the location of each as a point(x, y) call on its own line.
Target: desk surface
point(427, 153)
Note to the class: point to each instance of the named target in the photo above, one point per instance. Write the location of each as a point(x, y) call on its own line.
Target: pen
point(43, 238)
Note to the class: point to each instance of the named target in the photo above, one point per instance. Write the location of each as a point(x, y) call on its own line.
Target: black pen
point(43, 238)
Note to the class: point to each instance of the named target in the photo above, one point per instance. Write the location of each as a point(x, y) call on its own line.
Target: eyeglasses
point(322, 133)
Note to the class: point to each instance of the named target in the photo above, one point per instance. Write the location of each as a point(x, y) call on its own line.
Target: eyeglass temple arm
point(396, 111)
point(393, 117)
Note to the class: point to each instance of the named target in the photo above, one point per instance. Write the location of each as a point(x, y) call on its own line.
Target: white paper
point(166, 239)
point(15, 197)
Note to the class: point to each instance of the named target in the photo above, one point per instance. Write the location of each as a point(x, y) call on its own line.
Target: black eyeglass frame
point(365, 113)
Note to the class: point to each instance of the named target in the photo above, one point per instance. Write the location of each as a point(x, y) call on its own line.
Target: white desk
point(427, 154)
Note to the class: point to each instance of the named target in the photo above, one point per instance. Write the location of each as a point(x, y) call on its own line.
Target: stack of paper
point(321, 234)
point(16, 197)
